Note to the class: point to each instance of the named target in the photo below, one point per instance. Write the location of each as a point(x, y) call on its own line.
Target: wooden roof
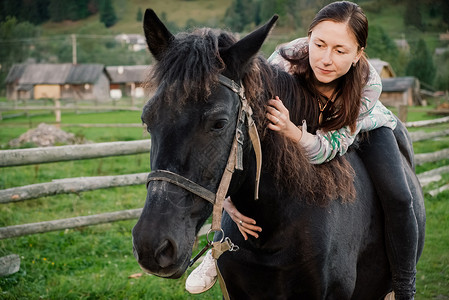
point(124, 74)
point(383, 68)
point(398, 84)
point(54, 73)
point(84, 73)
point(15, 73)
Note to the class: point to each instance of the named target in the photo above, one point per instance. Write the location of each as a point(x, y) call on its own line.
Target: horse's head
point(192, 121)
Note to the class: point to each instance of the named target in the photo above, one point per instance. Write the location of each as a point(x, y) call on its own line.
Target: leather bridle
point(235, 159)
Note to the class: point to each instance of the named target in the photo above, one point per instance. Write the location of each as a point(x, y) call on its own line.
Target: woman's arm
point(324, 146)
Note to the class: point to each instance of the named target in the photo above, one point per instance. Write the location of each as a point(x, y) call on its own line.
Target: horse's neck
point(291, 92)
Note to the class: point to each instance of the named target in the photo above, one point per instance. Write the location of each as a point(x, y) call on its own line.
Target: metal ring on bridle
point(210, 230)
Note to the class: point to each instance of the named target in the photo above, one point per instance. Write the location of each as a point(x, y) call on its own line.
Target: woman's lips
point(324, 71)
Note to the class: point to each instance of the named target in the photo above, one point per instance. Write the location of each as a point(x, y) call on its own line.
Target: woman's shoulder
point(291, 49)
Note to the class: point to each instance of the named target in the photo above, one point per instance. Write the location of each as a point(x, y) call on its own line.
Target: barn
point(58, 81)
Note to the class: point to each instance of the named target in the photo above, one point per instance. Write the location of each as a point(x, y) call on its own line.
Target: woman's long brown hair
point(346, 109)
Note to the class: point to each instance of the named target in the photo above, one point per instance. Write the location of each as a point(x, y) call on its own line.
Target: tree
point(235, 16)
point(442, 73)
point(412, 16)
point(267, 8)
point(35, 12)
point(288, 11)
point(107, 14)
point(16, 39)
point(139, 15)
point(421, 64)
point(380, 45)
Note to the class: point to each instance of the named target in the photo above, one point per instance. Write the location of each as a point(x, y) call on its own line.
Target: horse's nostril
point(165, 254)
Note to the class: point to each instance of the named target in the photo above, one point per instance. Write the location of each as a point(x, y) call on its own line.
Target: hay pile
point(44, 136)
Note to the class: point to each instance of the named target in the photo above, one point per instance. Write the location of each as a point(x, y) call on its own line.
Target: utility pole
point(74, 49)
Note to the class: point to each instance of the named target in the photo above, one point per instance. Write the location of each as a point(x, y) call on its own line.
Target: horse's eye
point(220, 124)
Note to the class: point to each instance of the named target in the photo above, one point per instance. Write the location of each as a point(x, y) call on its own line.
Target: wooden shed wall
point(52, 91)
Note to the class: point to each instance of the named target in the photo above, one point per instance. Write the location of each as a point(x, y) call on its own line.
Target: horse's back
point(332, 252)
point(373, 275)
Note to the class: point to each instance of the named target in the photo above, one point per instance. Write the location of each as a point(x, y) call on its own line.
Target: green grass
point(96, 262)
point(433, 267)
point(390, 18)
point(14, 127)
point(87, 263)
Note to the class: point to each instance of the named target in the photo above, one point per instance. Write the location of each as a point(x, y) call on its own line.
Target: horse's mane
point(190, 69)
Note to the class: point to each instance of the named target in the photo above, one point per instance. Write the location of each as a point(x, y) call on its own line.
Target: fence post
point(133, 93)
point(58, 112)
point(402, 112)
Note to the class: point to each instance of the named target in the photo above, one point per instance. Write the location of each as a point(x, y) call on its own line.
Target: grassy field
point(97, 263)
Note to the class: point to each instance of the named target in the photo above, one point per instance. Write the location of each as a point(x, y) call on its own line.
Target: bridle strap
point(183, 182)
point(223, 187)
point(232, 85)
point(252, 129)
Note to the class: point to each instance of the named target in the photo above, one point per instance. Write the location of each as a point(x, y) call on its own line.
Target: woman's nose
point(327, 58)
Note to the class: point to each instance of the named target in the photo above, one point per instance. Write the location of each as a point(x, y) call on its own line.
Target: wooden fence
point(20, 157)
point(23, 107)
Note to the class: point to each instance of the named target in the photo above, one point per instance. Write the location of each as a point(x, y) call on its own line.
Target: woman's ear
point(356, 60)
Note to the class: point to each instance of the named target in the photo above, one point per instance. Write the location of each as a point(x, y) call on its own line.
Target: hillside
point(95, 42)
point(211, 13)
point(176, 11)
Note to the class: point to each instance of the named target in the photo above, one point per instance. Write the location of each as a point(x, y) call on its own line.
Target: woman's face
point(333, 49)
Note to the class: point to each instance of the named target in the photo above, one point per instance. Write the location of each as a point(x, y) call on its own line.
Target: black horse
point(323, 227)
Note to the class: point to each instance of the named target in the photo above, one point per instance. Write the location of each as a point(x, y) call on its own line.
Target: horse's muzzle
point(161, 260)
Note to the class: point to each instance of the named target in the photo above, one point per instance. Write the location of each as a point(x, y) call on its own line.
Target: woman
point(343, 90)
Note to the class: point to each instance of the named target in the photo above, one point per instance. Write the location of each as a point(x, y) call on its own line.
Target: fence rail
point(69, 185)
point(20, 157)
point(77, 152)
point(427, 122)
point(41, 227)
point(84, 125)
point(69, 108)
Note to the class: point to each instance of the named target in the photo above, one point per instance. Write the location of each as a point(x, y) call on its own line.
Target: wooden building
point(396, 90)
point(58, 81)
point(127, 81)
point(400, 91)
point(383, 68)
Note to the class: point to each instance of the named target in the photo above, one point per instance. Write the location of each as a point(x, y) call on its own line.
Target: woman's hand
point(246, 225)
point(279, 117)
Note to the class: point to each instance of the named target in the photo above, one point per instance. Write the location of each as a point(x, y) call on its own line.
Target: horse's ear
point(157, 35)
point(239, 54)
